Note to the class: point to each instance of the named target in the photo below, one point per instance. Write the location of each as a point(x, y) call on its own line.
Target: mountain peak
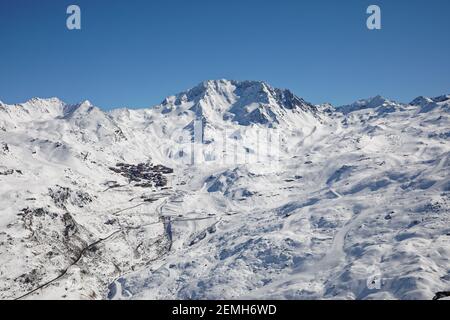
point(443, 98)
point(374, 102)
point(427, 104)
point(421, 101)
point(82, 107)
point(208, 88)
point(370, 103)
point(44, 104)
point(52, 100)
point(85, 103)
point(220, 83)
point(245, 102)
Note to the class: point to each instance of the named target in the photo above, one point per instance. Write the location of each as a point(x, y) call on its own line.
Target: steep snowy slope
point(228, 190)
point(245, 103)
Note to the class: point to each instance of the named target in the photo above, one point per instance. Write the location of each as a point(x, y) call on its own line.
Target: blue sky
point(135, 53)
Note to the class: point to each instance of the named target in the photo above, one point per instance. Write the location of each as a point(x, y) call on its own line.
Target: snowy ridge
point(378, 104)
point(246, 102)
point(131, 204)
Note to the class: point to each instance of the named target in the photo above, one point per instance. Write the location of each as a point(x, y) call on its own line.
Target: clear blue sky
point(135, 53)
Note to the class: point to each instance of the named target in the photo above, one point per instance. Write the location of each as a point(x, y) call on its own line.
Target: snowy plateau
point(351, 202)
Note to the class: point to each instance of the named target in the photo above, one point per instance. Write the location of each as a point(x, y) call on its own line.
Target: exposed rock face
point(62, 196)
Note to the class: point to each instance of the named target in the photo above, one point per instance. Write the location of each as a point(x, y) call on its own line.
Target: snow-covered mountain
point(232, 189)
point(377, 104)
point(245, 103)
